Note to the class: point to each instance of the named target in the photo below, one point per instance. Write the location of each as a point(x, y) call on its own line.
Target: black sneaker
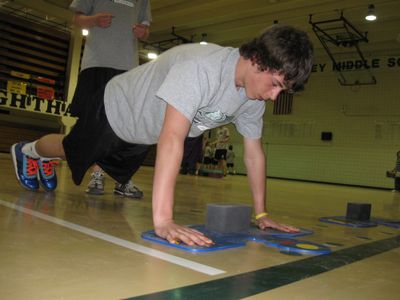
point(128, 190)
point(96, 184)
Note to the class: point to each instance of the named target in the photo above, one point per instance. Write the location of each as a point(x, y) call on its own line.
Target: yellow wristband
point(260, 215)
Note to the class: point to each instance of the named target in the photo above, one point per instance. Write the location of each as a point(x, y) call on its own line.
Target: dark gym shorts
point(192, 150)
point(92, 140)
point(89, 82)
point(220, 154)
point(207, 160)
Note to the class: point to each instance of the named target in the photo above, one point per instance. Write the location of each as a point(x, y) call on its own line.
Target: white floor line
point(117, 241)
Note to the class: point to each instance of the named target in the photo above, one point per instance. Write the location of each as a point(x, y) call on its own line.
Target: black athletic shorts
point(92, 140)
point(192, 151)
point(220, 154)
point(89, 82)
point(207, 160)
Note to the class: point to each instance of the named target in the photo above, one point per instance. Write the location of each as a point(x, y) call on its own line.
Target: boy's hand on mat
point(265, 222)
point(175, 234)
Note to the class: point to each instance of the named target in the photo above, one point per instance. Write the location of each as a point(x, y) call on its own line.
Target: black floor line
point(251, 283)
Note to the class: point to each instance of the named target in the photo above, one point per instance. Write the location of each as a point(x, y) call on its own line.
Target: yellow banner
point(20, 75)
point(16, 87)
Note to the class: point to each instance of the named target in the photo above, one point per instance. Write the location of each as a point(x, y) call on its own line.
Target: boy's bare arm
point(254, 159)
point(169, 156)
point(102, 20)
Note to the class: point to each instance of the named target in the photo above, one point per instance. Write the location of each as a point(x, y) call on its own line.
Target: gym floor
point(69, 245)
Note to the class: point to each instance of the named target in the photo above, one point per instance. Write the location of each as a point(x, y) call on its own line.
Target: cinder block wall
point(364, 121)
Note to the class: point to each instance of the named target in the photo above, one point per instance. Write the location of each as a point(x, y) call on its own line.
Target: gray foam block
point(226, 218)
point(358, 211)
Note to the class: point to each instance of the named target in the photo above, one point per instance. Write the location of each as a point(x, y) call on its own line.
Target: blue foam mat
point(342, 221)
point(253, 233)
point(389, 223)
point(298, 246)
point(226, 241)
point(277, 233)
point(220, 243)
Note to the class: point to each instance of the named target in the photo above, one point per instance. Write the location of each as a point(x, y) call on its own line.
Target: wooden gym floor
point(69, 245)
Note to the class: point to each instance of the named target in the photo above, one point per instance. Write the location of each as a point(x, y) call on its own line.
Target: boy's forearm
point(84, 21)
point(255, 164)
point(168, 160)
point(169, 155)
point(256, 175)
point(102, 20)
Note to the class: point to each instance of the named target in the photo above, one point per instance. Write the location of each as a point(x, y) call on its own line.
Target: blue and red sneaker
point(26, 168)
point(47, 174)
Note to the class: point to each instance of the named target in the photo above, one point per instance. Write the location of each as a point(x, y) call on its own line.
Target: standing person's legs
point(92, 140)
point(230, 167)
point(197, 155)
point(214, 164)
point(90, 81)
point(129, 158)
point(192, 154)
point(206, 162)
point(220, 155)
point(397, 184)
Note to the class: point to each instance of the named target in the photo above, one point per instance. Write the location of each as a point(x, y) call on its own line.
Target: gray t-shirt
point(197, 80)
point(115, 46)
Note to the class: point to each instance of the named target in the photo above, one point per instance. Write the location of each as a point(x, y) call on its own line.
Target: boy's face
point(263, 85)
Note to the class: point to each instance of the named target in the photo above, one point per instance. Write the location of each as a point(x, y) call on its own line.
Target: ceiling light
point(152, 55)
point(371, 16)
point(203, 39)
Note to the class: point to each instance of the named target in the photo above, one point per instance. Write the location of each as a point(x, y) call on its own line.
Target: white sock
point(29, 149)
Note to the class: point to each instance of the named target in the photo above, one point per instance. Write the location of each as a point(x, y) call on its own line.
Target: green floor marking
point(251, 283)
